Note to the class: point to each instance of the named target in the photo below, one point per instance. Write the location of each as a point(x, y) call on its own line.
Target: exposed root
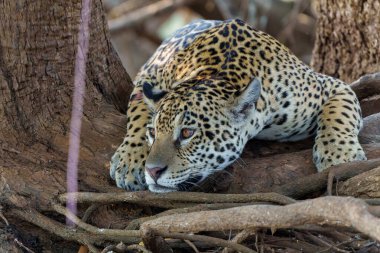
point(367, 85)
point(175, 199)
point(313, 183)
point(349, 170)
point(334, 211)
point(146, 233)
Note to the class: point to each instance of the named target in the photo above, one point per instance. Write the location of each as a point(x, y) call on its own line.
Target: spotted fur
point(228, 83)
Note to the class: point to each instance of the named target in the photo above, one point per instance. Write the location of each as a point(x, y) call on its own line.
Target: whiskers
point(190, 185)
point(211, 177)
point(241, 163)
point(194, 176)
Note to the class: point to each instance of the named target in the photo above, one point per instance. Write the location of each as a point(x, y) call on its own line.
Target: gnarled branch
point(153, 199)
point(351, 213)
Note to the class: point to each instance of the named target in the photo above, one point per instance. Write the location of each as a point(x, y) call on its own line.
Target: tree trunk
point(38, 44)
point(347, 39)
point(348, 46)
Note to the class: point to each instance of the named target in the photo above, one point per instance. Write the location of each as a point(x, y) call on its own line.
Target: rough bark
point(37, 67)
point(38, 43)
point(365, 185)
point(261, 174)
point(352, 213)
point(347, 38)
point(370, 133)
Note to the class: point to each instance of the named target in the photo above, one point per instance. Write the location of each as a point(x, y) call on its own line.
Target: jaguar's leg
point(127, 164)
point(338, 127)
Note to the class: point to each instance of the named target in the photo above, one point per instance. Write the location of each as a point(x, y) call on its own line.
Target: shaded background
point(138, 26)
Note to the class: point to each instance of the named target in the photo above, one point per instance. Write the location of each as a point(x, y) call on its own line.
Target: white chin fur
point(160, 189)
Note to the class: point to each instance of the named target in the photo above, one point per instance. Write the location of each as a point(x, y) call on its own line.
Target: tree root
point(135, 224)
point(367, 85)
point(121, 247)
point(195, 211)
point(313, 183)
point(88, 235)
point(239, 238)
point(351, 213)
point(322, 211)
point(349, 171)
point(174, 199)
point(148, 234)
point(78, 235)
point(94, 230)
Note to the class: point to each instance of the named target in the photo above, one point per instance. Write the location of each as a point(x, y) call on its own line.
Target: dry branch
point(239, 238)
point(135, 224)
point(121, 247)
point(153, 199)
point(155, 242)
point(351, 213)
point(146, 232)
point(36, 218)
point(92, 229)
point(269, 216)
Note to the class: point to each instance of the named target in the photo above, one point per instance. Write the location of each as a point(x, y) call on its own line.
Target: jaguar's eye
point(186, 133)
point(152, 132)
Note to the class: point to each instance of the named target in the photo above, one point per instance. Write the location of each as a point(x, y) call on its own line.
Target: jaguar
point(214, 85)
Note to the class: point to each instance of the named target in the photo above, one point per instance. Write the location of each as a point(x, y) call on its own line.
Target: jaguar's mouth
point(161, 188)
point(188, 185)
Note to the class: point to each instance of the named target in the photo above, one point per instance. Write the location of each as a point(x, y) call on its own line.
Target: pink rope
point(77, 107)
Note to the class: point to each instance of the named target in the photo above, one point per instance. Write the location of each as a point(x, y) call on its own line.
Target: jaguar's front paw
point(127, 171)
point(332, 151)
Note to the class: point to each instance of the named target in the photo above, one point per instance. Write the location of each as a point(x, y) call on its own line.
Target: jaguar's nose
point(156, 172)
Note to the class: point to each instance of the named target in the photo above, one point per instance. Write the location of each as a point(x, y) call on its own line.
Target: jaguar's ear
point(244, 101)
point(152, 95)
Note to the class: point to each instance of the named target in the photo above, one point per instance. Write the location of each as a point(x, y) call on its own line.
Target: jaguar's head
point(196, 129)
